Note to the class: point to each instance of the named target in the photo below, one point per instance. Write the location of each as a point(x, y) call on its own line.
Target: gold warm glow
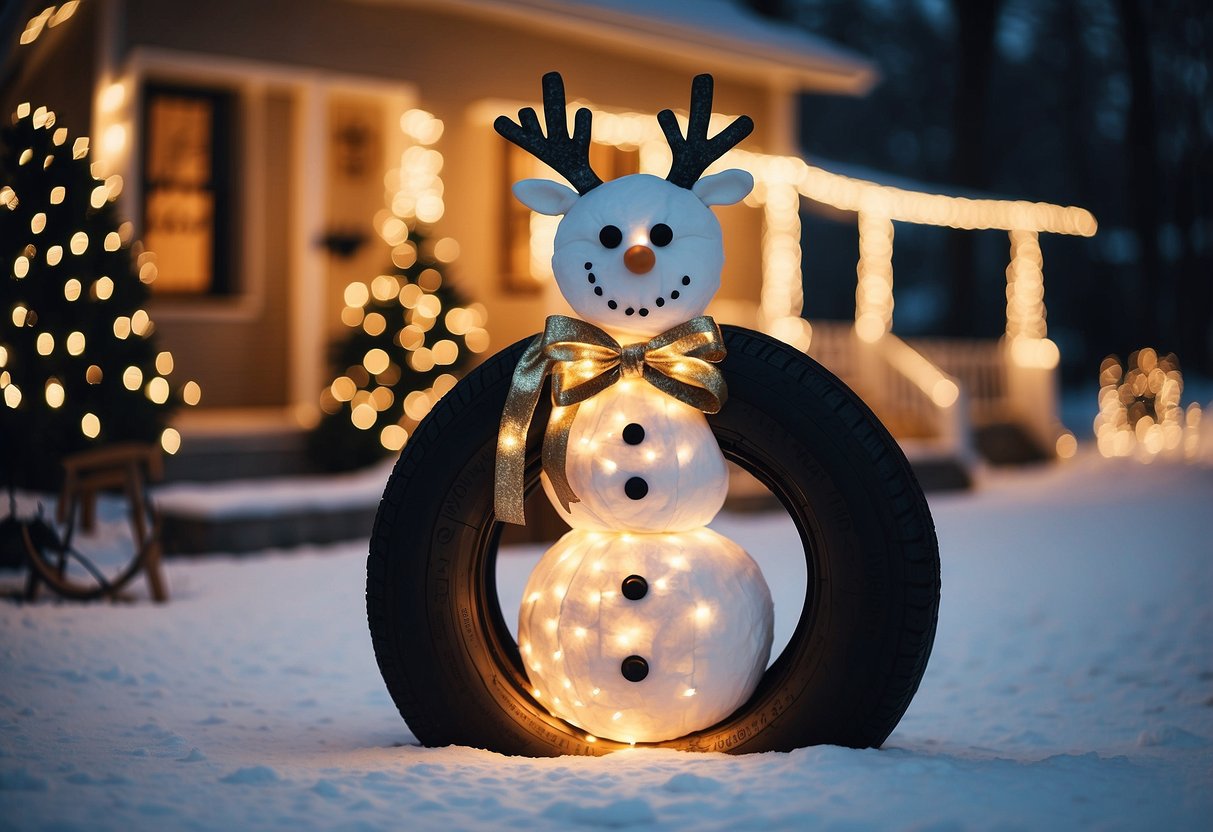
point(170, 440)
point(874, 286)
point(780, 181)
point(191, 393)
point(1140, 411)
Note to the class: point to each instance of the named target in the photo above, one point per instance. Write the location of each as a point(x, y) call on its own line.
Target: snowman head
point(639, 254)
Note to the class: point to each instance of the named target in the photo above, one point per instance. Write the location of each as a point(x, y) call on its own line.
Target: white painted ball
point(640, 460)
point(646, 637)
point(675, 235)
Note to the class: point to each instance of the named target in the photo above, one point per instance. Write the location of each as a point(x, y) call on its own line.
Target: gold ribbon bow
point(583, 361)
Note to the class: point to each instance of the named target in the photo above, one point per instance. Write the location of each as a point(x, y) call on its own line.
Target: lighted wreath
point(641, 625)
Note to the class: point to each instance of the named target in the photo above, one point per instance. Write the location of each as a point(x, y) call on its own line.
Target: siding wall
point(454, 62)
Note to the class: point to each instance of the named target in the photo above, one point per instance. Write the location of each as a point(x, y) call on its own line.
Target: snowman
point(640, 624)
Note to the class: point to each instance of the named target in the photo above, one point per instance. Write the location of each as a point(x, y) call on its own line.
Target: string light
point(1140, 412)
point(874, 286)
point(79, 243)
point(54, 394)
point(640, 667)
point(170, 440)
point(778, 177)
point(415, 195)
point(158, 390)
point(191, 393)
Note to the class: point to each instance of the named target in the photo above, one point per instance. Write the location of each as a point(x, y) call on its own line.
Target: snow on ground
point(1071, 686)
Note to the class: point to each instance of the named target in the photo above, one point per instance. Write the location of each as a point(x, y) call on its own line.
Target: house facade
point(261, 147)
point(272, 155)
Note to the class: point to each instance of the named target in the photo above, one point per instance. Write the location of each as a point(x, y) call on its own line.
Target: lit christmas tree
point(78, 363)
point(410, 339)
point(411, 335)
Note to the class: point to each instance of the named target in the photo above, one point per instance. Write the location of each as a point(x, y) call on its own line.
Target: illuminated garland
point(78, 365)
point(781, 180)
point(1140, 413)
point(405, 347)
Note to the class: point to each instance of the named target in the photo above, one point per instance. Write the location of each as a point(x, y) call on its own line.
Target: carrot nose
point(639, 259)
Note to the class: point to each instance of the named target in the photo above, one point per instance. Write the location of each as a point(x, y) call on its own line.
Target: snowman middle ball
point(640, 460)
point(645, 637)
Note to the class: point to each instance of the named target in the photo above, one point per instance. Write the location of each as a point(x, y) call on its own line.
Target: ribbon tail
point(555, 454)
point(509, 479)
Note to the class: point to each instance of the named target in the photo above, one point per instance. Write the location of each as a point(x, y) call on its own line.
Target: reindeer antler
point(568, 155)
point(693, 154)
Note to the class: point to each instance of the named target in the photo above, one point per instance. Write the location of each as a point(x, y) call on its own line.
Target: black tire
point(864, 635)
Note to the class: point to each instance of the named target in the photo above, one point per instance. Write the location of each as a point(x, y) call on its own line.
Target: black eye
point(661, 234)
point(610, 236)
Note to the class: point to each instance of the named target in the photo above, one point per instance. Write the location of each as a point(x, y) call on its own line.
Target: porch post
point(1025, 287)
point(307, 342)
point(1031, 359)
point(782, 295)
point(874, 273)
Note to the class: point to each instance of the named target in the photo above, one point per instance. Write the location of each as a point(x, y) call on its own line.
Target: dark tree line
point(1098, 103)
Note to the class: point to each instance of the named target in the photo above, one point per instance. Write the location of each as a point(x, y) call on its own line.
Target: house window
point(187, 188)
point(526, 267)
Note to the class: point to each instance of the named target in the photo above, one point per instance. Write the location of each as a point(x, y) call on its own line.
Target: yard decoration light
point(641, 625)
point(409, 333)
point(628, 451)
point(78, 362)
point(1140, 412)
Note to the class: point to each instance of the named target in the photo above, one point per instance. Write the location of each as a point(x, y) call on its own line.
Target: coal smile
point(643, 311)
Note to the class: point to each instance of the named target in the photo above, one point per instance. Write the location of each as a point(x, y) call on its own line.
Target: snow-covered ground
point(1071, 686)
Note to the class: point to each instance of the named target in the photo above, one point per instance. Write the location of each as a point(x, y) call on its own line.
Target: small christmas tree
point(78, 361)
point(411, 337)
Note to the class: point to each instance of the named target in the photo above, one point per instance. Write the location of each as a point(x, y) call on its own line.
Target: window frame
point(225, 154)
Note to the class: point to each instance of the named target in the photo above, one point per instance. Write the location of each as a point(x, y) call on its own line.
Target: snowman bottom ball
point(645, 637)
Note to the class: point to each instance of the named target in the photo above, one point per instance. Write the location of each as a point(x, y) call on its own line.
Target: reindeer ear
point(545, 196)
point(724, 188)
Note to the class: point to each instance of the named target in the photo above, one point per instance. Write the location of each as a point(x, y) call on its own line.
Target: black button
point(636, 488)
point(634, 587)
point(634, 668)
point(633, 434)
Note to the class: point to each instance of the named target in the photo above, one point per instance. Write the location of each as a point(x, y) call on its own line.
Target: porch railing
point(979, 366)
point(920, 403)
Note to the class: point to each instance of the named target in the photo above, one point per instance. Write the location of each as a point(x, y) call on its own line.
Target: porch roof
point(720, 34)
